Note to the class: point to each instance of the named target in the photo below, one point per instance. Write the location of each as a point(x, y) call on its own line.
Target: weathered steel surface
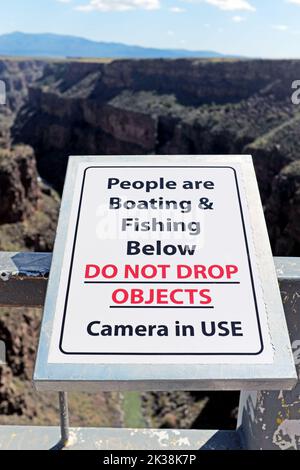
point(271, 419)
point(23, 278)
point(28, 438)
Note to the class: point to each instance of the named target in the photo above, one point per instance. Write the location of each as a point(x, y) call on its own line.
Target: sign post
point(163, 278)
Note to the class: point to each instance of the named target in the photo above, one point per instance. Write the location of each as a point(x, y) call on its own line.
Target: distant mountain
point(55, 45)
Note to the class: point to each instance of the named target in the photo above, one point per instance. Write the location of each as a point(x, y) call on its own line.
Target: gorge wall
point(169, 107)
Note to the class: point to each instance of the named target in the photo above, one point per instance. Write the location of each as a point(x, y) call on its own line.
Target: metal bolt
point(4, 276)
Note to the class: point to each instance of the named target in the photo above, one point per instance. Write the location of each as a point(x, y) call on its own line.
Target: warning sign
point(161, 266)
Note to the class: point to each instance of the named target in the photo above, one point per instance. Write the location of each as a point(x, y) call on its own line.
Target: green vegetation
point(132, 410)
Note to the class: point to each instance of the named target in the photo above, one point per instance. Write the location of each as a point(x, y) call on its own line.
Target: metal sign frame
point(94, 377)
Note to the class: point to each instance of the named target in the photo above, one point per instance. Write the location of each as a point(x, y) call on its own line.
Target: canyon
point(168, 107)
point(57, 108)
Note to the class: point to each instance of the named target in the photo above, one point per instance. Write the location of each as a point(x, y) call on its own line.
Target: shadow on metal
point(223, 440)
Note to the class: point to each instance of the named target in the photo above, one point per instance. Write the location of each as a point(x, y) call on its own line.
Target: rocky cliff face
point(168, 107)
point(22, 194)
point(18, 76)
point(20, 403)
point(19, 189)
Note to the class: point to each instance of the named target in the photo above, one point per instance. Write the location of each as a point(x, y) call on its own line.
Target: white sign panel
point(163, 274)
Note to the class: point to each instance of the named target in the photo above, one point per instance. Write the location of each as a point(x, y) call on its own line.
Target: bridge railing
point(267, 419)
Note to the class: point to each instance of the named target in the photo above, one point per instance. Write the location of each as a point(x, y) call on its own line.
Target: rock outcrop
point(19, 189)
point(17, 75)
point(283, 210)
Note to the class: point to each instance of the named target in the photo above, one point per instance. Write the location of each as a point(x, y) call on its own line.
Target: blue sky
point(260, 28)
